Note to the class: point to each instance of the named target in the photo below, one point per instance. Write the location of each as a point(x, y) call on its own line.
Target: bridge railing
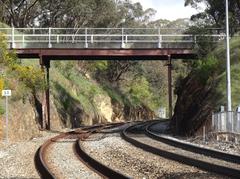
point(106, 37)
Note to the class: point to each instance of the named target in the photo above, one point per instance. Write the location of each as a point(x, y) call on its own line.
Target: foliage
point(31, 77)
point(116, 69)
point(88, 78)
point(204, 44)
point(214, 13)
point(2, 111)
point(74, 13)
point(93, 66)
point(1, 84)
point(19, 12)
point(66, 69)
point(134, 90)
point(211, 70)
point(100, 65)
point(115, 95)
point(156, 74)
point(206, 68)
point(73, 87)
point(140, 91)
point(86, 87)
point(6, 57)
point(176, 25)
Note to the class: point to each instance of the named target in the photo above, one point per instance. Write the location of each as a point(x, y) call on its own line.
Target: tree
point(132, 14)
point(19, 13)
point(117, 68)
point(31, 77)
point(74, 13)
point(214, 14)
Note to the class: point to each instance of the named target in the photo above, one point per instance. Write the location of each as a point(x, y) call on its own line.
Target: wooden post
point(170, 86)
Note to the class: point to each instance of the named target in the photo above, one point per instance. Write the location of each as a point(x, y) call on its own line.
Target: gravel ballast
point(64, 163)
point(111, 150)
point(17, 159)
point(210, 141)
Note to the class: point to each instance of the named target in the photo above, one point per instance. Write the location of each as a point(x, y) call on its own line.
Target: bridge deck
point(105, 54)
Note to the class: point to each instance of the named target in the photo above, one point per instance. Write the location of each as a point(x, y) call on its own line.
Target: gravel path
point(65, 164)
point(111, 150)
point(17, 159)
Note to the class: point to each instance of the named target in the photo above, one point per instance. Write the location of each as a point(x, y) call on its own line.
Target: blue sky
point(168, 9)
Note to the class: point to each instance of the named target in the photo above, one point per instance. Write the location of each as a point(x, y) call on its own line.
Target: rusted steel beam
point(48, 126)
point(170, 86)
point(43, 117)
point(45, 65)
point(107, 54)
point(47, 54)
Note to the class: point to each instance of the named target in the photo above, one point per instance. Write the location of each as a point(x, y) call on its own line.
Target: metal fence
point(226, 122)
point(107, 37)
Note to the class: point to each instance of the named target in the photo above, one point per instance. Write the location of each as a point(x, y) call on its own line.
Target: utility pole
point(229, 99)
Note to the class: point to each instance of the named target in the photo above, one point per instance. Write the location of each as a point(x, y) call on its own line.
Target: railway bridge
point(47, 44)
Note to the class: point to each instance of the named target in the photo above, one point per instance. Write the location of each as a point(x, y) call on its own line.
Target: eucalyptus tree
point(73, 13)
point(214, 14)
point(19, 13)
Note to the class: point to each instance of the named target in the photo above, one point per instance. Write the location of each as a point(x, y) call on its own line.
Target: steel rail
point(40, 155)
point(40, 160)
point(93, 164)
point(193, 148)
point(97, 166)
point(109, 28)
point(224, 170)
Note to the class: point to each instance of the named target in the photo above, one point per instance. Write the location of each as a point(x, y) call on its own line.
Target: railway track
point(67, 147)
point(191, 147)
point(141, 136)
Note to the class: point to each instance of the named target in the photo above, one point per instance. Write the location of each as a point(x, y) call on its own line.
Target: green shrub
point(140, 91)
point(2, 111)
point(1, 84)
point(206, 68)
point(31, 77)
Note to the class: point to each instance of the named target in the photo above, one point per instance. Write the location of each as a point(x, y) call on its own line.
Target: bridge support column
point(45, 65)
point(169, 86)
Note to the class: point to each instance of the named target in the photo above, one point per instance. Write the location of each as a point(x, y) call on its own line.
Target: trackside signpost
point(6, 93)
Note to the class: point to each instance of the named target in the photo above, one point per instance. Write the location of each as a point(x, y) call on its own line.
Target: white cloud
point(168, 9)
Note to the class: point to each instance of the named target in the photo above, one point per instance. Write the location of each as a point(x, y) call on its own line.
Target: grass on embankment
point(213, 69)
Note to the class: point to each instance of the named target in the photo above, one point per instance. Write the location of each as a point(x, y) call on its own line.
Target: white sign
point(162, 112)
point(6, 92)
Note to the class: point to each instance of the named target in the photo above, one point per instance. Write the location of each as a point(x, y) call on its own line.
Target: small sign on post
point(6, 93)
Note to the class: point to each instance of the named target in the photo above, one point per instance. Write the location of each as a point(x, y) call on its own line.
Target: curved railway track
point(140, 136)
point(191, 147)
point(44, 167)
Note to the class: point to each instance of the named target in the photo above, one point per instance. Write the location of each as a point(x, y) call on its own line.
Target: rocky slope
point(75, 100)
point(204, 90)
